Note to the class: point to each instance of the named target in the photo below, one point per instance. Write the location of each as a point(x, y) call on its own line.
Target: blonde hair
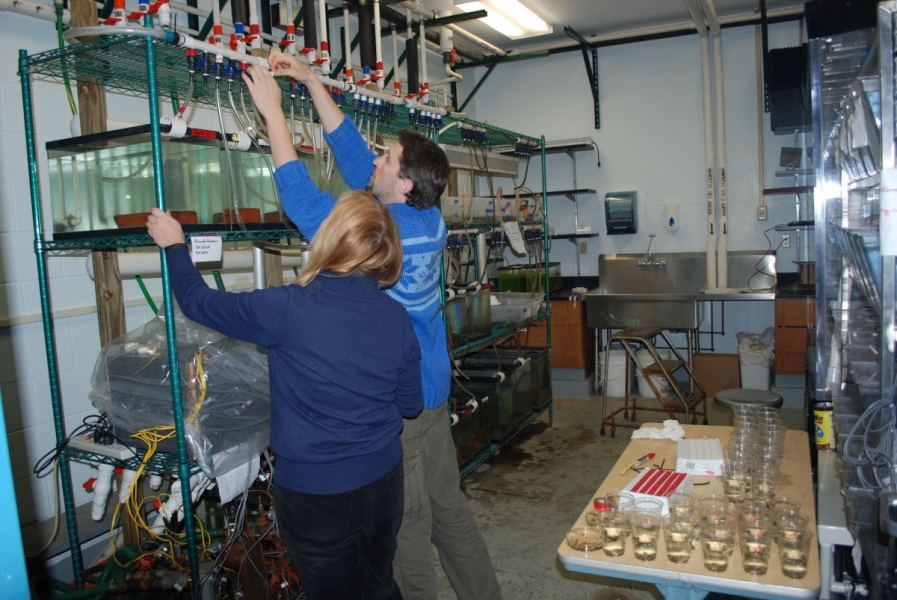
point(359, 237)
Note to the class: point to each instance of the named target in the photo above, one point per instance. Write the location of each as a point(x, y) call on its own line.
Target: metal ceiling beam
point(476, 88)
point(591, 69)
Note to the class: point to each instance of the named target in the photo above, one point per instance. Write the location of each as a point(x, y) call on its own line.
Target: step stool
point(692, 404)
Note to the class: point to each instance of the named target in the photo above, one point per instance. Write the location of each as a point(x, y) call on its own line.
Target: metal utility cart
point(150, 67)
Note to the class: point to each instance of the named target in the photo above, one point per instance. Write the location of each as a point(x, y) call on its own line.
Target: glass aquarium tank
point(103, 183)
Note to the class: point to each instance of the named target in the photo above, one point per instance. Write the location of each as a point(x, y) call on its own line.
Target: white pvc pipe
point(324, 43)
point(204, 14)
point(147, 263)
point(254, 29)
point(447, 45)
point(347, 46)
point(101, 489)
point(378, 48)
point(707, 100)
point(478, 41)
point(46, 12)
point(396, 84)
point(423, 61)
point(216, 23)
point(722, 246)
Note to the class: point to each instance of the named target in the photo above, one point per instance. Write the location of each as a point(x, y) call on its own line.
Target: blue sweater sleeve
point(410, 392)
point(304, 203)
point(244, 316)
point(354, 159)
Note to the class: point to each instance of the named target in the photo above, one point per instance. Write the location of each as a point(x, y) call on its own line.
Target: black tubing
point(238, 12)
point(366, 34)
point(411, 61)
point(309, 24)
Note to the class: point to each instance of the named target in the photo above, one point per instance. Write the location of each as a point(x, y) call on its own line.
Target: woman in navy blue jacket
point(344, 367)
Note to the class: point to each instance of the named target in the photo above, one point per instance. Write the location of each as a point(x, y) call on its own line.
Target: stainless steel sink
point(669, 293)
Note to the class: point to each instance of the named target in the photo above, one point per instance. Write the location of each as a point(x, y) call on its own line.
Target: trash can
point(755, 356)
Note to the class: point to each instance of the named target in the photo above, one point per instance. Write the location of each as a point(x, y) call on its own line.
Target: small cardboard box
point(658, 484)
point(717, 372)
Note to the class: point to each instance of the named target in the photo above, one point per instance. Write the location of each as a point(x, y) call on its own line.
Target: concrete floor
point(527, 497)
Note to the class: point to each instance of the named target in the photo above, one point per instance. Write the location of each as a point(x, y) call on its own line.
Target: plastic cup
point(755, 537)
point(717, 543)
point(736, 480)
point(614, 525)
point(645, 526)
point(648, 504)
point(794, 551)
point(584, 539)
point(712, 506)
point(621, 500)
point(679, 533)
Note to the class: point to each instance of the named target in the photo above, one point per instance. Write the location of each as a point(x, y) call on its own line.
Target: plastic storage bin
point(516, 307)
point(501, 405)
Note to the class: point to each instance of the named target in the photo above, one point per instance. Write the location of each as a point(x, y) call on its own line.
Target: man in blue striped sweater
point(409, 179)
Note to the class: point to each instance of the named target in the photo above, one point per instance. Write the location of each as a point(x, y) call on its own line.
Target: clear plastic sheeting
point(224, 390)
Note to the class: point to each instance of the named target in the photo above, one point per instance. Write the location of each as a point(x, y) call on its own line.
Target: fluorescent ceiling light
point(510, 18)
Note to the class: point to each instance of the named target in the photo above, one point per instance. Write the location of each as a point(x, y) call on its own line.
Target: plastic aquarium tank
point(102, 183)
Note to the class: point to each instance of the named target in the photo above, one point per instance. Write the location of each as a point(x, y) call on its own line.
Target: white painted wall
point(649, 141)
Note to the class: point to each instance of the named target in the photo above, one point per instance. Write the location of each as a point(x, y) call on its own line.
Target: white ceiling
point(602, 17)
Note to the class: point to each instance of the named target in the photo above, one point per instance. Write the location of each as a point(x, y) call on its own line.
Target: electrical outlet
point(583, 247)
point(86, 443)
point(786, 240)
point(762, 214)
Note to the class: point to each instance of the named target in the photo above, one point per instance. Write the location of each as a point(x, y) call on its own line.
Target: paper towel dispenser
point(620, 213)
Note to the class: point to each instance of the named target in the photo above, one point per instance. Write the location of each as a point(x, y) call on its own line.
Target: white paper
point(206, 248)
point(671, 431)
point(237, 480)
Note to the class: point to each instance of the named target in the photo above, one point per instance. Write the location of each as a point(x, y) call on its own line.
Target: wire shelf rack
point(119, 64)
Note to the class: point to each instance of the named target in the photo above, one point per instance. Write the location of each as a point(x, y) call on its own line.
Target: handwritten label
point(206, 248)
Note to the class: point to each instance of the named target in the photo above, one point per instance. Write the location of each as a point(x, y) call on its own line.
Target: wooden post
point(91, 96)
point(110, 299)
point(273, 269)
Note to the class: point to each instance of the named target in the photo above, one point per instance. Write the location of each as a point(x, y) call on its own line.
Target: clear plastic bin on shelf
point(867, 375)
point(516, 307)
point(502, 404)
point(104, 182)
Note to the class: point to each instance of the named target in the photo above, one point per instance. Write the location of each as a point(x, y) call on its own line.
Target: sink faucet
point(649, 260)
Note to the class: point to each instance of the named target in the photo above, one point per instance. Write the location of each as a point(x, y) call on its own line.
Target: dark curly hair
point(426, 166)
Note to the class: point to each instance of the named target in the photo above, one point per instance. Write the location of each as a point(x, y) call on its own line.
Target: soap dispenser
point(671, 220)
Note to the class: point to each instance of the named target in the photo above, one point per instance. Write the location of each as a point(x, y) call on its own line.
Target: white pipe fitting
point(101, 489)
point(177, 127)
point(127, 478)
